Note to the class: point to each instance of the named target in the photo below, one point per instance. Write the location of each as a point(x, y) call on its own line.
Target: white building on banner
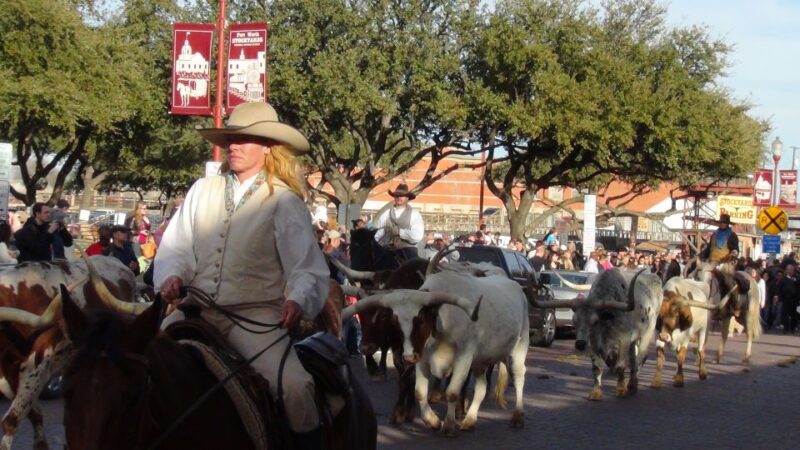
point(192, 70)
point(244, 77)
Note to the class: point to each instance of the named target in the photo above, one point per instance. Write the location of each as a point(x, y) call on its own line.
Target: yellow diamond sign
point(773, 220)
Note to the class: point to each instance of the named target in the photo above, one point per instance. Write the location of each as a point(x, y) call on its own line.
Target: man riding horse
point(401, 228)
point(724, 245)
point(244, 237)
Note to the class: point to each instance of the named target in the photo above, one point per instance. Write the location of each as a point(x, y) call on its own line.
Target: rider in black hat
point(401, 227)
point(724, 243)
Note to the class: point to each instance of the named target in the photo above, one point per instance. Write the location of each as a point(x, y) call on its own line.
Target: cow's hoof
point(677, 381)
point(450, 428)
point(656, 383)
point(703, 375)
point(746, 362)
point(432, 421)
point(596, 394)
point(716, 361)
point(468, 424)
point(622, 391)
point(518, 419)
point(632, 388)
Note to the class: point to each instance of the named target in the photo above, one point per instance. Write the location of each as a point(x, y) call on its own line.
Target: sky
point(765, 61)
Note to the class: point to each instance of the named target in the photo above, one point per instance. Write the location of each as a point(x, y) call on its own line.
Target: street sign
point(773, 220)
point(772, 244)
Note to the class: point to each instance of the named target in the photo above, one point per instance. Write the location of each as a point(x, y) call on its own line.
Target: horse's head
point(106, 385)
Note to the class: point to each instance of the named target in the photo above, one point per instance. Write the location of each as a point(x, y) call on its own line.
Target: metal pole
point(218, 109)
point(480, 198)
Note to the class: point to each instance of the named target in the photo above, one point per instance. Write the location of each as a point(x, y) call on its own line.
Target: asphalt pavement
point(733, 409)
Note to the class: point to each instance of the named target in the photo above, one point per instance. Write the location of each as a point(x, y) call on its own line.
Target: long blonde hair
point(280, 163)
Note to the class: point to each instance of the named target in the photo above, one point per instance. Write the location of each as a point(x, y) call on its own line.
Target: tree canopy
point(576, 95)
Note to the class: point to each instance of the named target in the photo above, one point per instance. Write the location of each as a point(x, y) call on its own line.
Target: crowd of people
point(46, 235)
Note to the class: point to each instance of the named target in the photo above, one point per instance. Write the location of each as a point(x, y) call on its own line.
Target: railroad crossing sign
point(773, 220)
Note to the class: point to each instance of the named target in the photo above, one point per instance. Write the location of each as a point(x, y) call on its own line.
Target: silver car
point(562, 292)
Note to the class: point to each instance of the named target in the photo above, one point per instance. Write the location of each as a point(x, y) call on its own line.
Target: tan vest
point(251, 271)
point(718, 254)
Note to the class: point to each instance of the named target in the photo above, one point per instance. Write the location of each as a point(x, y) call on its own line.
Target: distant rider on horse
point(724, 245)
point(245, 238)
point(401, 227)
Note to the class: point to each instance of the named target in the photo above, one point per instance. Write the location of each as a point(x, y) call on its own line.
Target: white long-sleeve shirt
point(266, 250)
point(762, 292)
point(411, 235)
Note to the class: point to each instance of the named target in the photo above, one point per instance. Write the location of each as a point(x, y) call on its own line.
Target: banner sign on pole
point(762, 192)
point(788, 195)
point(247, 63)
point(191, 68)
point(589, 213)
point(740, 209)
point(772, 243)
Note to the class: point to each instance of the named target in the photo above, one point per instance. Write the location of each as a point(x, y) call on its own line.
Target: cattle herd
point(446, 324)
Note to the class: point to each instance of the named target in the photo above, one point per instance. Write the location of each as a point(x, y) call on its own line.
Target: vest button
point(216, 280)
point(219, 250)
point(222, 235)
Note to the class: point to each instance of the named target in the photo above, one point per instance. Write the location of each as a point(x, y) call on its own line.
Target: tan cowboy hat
point(402, 191)
point(257, 119)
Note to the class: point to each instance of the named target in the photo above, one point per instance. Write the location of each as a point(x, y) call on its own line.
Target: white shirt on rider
point(411, 235)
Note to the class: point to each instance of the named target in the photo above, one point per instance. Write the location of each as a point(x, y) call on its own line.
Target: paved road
point(733, 409)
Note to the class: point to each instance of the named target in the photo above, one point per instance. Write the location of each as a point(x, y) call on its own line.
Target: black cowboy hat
point(402, 191)
point(725, 218)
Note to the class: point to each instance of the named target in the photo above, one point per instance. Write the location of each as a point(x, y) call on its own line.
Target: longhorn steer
point(380, 330)
point(616, 321)
point(442, 340)
point(683, 316)
point(35, 346)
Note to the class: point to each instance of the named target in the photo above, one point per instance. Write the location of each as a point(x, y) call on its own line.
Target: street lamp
point(777, 149)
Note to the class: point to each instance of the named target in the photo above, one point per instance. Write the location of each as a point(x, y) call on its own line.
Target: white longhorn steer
point(446, 335)
point(682, 318)
point(617, 321)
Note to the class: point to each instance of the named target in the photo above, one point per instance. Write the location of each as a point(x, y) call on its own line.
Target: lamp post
point(777, 149)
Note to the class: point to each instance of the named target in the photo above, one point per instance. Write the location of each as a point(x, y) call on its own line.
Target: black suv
point(542, 321)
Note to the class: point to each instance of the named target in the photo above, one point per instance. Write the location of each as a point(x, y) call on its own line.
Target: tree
point(62, 82)
point(153, 150)
point(375, 85)
point(576, 96)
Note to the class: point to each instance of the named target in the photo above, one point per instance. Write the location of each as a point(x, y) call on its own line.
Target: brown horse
point(129, 382)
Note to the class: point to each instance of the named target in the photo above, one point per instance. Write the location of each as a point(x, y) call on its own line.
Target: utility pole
point(218, 108)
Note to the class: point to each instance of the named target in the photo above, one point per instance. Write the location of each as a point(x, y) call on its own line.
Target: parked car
point(542, 321)
point(563, 292)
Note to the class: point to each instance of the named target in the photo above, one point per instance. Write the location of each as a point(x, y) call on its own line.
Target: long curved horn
point(631, 303)
point(442, 298)
point(548, 304)
point(577, 287)
point(696, 304)
point(32, 320)
point(354, 291)
point(353, 275)
point(106, 296)
point(365, 303)
point(434, 262)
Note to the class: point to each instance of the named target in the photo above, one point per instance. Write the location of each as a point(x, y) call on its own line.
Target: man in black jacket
point(35, 238)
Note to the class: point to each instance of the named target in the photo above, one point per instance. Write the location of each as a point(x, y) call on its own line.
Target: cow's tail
point(502, 384)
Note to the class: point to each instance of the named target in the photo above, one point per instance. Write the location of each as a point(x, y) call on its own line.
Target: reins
point(204, 298)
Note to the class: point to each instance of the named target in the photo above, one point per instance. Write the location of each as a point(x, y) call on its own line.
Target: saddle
point(322, 354)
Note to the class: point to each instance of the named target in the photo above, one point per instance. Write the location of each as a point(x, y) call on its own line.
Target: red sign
point(247, 64)
point(762, 192)
point(191, 68)
point(788, 195)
